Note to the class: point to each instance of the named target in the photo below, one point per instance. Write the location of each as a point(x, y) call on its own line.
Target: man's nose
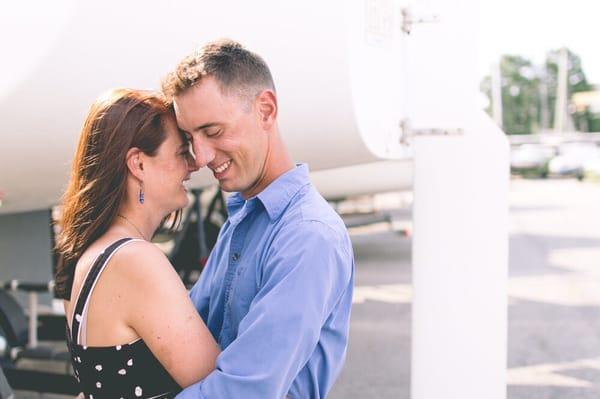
point(191, 163)
point(204, 153)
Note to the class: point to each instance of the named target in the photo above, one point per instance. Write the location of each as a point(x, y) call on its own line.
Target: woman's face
point(166, 172)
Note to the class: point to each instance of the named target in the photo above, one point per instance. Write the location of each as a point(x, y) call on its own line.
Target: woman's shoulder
point(136, 271)
point(139, 257)
point(124, 268)
point(133, 248)
point(128, 262)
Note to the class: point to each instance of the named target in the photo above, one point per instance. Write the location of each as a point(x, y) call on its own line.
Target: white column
point(33, 320)
point(496, 80)
point(460, 263)
point(560, 108)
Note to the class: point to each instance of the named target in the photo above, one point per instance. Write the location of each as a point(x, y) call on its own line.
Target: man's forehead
point(179, 114)
point(192, 108)
point(203, 105)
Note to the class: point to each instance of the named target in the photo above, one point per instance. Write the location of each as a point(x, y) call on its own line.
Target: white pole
point(33, 316)
point(545, 114)
point(560, 110)
point(460, 264)
point(460, 215)
point(497, 93)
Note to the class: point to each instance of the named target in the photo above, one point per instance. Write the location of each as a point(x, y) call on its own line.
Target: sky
point(532, 27)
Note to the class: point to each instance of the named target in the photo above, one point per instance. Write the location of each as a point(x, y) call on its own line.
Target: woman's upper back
point(123, 370)
point(107, 324)
point(136, 295)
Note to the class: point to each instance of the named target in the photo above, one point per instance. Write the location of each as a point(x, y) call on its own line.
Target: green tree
point(576, 82)
point(529, 93)
point(520, 97)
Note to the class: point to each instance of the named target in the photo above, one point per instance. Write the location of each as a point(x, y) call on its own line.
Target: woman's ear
point(267, 108)
point(135, 165)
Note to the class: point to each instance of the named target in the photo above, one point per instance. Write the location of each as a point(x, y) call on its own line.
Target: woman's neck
point(141, 222)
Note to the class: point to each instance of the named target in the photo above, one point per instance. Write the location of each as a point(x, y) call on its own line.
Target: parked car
point(573, 159)
point(531, 159)
point(591, 169)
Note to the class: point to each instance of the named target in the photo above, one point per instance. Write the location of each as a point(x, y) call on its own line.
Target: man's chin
point(231, 186)
point(228, 187)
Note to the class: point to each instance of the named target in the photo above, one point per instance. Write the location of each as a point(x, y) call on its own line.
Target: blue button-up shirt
point(276, 294)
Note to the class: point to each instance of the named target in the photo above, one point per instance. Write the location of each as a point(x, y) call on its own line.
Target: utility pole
point(544, 114)
point(560, 111)
point(497, 94)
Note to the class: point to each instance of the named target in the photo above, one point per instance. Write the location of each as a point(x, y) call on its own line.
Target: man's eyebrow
point(205, 126)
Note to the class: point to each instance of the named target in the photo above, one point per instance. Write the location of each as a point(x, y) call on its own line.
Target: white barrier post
point(460, 263)
point(33, 319)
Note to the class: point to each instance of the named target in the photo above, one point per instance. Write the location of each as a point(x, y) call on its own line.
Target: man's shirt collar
point(277, 195)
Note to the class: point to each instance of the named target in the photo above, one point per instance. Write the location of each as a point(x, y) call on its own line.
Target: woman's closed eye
point(185, 152)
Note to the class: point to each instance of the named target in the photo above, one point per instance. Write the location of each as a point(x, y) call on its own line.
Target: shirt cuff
point(192, 392)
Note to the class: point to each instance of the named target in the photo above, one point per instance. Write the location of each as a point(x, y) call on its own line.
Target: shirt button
point(235, 257)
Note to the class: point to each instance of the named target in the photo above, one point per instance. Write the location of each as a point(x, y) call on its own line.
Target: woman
point(132, 330)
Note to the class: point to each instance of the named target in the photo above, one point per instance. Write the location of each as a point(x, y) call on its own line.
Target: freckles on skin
point(164, 170)
point(167, 169)
point(227, 143)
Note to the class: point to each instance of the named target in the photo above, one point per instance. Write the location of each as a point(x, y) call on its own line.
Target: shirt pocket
point(243, 290)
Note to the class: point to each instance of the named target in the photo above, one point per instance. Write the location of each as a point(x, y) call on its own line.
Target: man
point(277, 289)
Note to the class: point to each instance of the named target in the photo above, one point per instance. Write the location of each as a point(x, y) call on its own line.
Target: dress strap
point(79, 321)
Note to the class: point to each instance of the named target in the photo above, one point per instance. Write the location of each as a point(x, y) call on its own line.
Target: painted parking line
point(388, 293)
point(549, 374)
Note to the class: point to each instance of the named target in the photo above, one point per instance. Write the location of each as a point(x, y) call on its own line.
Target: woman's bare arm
point(161, 312)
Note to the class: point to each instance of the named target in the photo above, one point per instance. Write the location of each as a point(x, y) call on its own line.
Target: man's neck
point(278, 163)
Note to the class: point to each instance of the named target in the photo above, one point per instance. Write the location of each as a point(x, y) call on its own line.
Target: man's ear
point(135, 163)
point(266, 103)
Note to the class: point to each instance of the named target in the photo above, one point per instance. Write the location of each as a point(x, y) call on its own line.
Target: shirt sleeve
point(307, 270)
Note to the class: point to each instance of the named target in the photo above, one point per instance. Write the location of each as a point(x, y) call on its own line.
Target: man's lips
point(222, 167)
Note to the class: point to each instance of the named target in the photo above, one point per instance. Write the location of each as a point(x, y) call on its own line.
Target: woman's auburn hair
point(119, 120)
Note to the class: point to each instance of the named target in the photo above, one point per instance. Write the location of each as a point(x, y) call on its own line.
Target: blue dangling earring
point(141, 196)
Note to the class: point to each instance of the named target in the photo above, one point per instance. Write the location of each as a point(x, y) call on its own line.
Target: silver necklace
point(131, 223)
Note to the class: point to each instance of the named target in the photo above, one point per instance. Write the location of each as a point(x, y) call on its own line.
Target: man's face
point(226, 134)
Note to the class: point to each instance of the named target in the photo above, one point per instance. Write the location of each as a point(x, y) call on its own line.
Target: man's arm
point(308, 268)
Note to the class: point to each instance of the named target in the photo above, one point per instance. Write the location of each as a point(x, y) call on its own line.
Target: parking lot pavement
point(554, 300)
point(378, 360)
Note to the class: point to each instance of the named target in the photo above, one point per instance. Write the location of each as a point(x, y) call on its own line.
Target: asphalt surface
point(554, 290)
point(378, 359)
point(554, 300)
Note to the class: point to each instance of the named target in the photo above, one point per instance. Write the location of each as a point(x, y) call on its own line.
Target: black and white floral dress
point(122, 371)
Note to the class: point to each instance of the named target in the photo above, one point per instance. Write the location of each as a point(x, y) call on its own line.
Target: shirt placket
point(238, 238)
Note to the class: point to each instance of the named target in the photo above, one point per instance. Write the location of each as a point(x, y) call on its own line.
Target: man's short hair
point(236, 70)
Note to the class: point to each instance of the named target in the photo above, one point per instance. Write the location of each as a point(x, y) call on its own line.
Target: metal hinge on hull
point(407, 132)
